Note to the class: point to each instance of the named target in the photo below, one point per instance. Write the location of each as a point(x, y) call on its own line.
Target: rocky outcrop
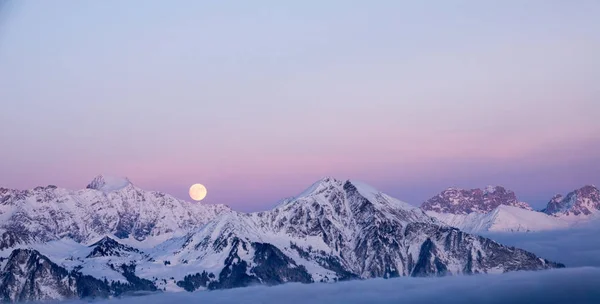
point(109, 247)
point(462, 201)
point(581, 202)
point(31, 276)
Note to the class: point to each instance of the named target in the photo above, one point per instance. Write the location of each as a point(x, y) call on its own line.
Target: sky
point(258, 100)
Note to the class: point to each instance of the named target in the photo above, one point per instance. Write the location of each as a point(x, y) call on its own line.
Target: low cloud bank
point(571, 285)
point(575, 247)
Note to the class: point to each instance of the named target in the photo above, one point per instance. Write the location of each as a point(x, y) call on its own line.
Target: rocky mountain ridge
point(584, 201)
point(465, 201)
point(461, 209)
point(108, 206)
point(335, 230)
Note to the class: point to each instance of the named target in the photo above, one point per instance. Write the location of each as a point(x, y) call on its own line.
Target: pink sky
point(257, 102)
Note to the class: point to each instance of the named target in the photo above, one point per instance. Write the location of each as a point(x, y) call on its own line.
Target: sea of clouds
point(579, 249)
point(574, 247)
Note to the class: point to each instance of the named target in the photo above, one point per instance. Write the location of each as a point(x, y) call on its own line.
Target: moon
point(197, 192)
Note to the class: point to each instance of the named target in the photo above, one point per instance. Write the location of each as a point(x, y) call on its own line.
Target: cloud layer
point(575, 285)
point(573, 247)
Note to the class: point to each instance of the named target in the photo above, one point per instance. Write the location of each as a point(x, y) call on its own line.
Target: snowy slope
point(502, 219)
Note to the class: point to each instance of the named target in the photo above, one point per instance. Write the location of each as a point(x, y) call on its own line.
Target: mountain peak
point(107, 183)
point(110, 247)
point(490, 189)
point(105, 240)
point(588, 189)
point(329, 180)
point(465, 201)
point(582, 201)
point(323, 183)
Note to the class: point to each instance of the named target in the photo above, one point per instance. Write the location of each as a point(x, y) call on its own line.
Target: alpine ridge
point(462, 201)
point(108, 206)
point(584, 201)
point(457, 209)
point(335, 230)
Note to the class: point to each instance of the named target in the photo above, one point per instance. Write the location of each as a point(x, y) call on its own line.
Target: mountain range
point(114, 238)
point(497, 209)
point(107, 206)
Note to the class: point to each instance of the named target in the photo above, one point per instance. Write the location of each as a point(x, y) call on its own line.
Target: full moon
point(197, 192)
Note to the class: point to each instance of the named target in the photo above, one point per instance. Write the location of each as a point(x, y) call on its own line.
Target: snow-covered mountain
point(582, 202)
point(108, 206)
point(575, 208)
point(29, 275)
point(463, 201)
point(335, 230)
point(502, 219)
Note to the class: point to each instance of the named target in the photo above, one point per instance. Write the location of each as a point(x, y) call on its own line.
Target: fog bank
point(571, 285)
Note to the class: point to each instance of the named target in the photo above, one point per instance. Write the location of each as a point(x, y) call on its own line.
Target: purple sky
point(257, 101)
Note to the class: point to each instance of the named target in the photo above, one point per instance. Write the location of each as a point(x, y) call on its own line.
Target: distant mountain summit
point(108, 183)
point(497, 209)
point(584, 201)
point(108, 206)
point(463, 201)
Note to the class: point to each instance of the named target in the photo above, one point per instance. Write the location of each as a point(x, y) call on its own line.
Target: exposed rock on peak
point(462, 201)
point(31, 276)
point(108, 183)
point(109, 247)
point(584, 201)
point(320, 185)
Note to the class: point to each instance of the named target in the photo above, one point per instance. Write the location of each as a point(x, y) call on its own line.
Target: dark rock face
point(192, 282)
point(234, 273)
point(110, 247)
point(134, 283)
point(555, 205)
point(429, 263)
point(446, 246)
point(327, 261)
point(273, 267)
point(270, 266)
point(583, 201)
point(462, 201)
point(12, 237)
point(31, 276)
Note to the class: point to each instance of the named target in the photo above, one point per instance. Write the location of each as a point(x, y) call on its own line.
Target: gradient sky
point(259, 99)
